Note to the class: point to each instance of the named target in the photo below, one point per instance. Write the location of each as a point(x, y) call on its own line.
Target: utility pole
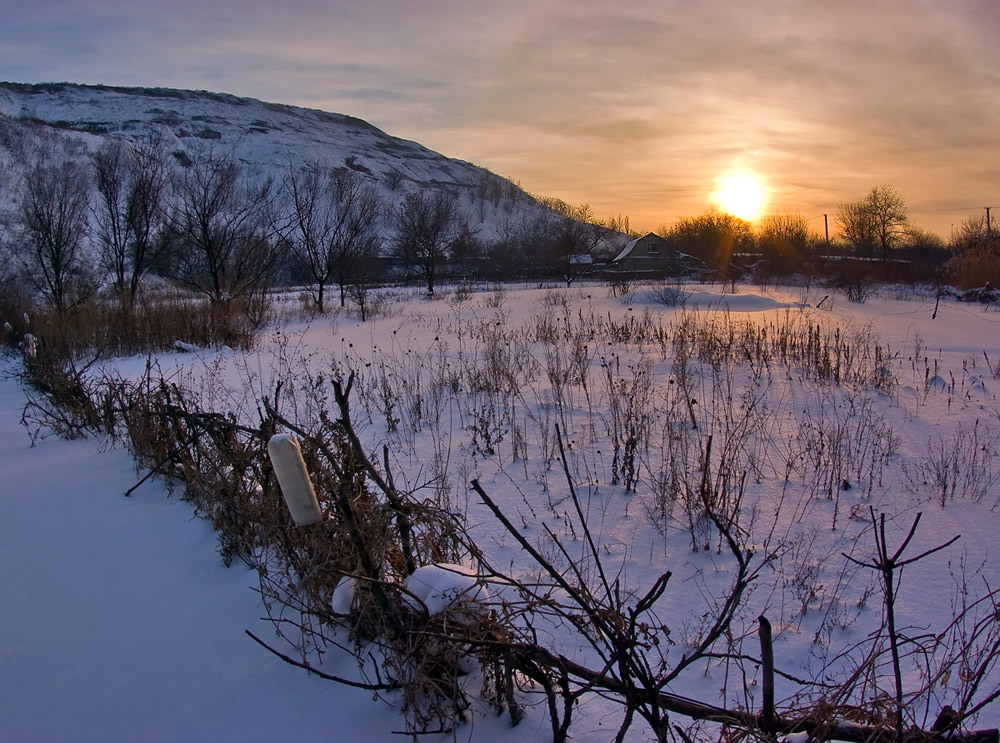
point(826, 227)
point(989, 228)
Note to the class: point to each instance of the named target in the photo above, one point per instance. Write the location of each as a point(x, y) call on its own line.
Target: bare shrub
point(60, 398)
point(845, 444)
point(15, 306)
point(629, 408)
point(855, 281)
point(669, 295)
point(461, 293)
point(555, 298)
point(626, 299)
point(961, 465)
point(620, 286)
point(502, 363)
point(976, 266)
point(496, 299)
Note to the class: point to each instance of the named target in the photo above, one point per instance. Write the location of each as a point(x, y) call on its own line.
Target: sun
point(741, 193)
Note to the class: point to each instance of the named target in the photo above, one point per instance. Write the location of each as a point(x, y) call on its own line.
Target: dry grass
point(104, 329)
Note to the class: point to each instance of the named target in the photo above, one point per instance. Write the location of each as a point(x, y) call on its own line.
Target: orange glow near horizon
point(741, 193)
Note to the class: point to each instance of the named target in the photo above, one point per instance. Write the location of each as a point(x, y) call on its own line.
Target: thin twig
point(340, 680)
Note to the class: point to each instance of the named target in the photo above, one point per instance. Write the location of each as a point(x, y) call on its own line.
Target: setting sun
point(741, 193)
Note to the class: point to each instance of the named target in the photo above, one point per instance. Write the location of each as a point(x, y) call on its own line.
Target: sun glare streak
point(741, 193)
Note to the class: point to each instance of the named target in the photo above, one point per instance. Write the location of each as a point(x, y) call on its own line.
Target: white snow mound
point(439, 586)
point(342, 600)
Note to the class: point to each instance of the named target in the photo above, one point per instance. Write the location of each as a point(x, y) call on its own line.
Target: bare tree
point(52, 220)
point(888, 211)
point(974, 234)
point(535, 247)
point(875, 224)
point(506, 255)
point(856, 227)
point(131, 183)
point(220, 229)
point(364, 277)
point(975, 247)
point(465, 253)
point(426, 227)
point(578, 237)
point(783, 240)
point(333, 225)
point(712, 237)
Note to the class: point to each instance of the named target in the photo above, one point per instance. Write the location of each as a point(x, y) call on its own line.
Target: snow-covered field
point(120, 624)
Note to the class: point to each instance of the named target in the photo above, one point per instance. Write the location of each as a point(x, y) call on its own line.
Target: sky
point(636, 110)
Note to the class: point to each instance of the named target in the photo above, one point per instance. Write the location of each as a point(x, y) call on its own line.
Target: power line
point(940, 211)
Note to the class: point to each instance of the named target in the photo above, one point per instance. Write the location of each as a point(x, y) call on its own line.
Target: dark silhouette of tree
point(783, 240)
point(52, 217)
point(465, 254)
point(220, 229)
point(394, 179)
point(976, 253)
point(712, 237)
point(578, 236)
point(131, 183)
point(888, 211)
point(365, 277)
point(506, 255)
point(427, 224)
point(536, 244)
point(875, 224)
point(856, 227)
point(974, 235)
point(332, 227)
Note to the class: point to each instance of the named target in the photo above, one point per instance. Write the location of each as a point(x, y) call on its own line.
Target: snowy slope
point(267, 136)
point(263, 133)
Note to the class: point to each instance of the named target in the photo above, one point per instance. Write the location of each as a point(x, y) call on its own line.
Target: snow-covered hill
point(263, 135)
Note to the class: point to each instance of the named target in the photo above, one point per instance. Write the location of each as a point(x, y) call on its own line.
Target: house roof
point(630, 246)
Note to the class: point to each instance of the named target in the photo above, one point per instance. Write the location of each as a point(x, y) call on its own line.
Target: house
point(649, 253)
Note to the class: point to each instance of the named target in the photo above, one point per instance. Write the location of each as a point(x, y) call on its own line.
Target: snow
point(342, 600)
point(742, 302)
point(440, 586)
point(264, 136)
point(120, 623)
